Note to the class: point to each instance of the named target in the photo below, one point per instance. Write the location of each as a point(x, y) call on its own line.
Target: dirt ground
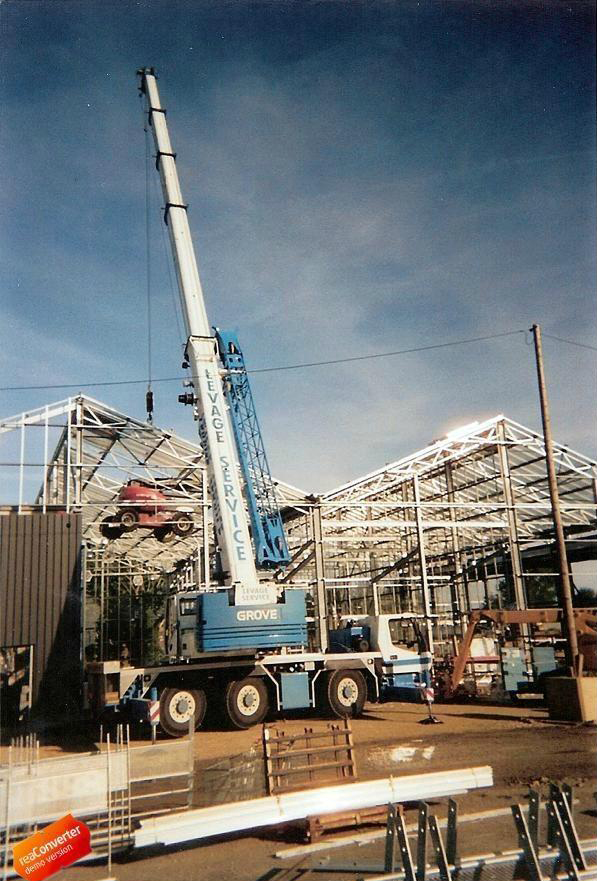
point(522, 746)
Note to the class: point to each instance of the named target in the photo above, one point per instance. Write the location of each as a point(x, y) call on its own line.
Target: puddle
point(394, 755)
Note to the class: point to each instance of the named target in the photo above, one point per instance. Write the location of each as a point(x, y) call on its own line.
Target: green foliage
point(130, 620)
point(542, 592)
point(584, 596)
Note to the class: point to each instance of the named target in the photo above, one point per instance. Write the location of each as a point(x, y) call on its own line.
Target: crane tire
point(177, 706)
point(346, 692)
point(246, 702)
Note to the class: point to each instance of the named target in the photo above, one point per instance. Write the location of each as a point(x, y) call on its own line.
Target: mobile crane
point(244, 643)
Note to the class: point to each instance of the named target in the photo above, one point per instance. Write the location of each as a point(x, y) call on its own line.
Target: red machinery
point(143, 506)
point(585, 622)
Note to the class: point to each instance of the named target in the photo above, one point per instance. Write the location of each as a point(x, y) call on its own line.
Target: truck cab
point(400, 641)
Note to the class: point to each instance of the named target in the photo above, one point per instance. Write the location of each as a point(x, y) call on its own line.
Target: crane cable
point(167, 257)
point(149, 393)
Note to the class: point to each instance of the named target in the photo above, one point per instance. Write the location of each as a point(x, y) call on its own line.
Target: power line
point(571, 342)
point(281, 367)
point(493, 336)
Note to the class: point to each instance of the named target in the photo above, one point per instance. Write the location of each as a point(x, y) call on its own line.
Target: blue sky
point(362, 177)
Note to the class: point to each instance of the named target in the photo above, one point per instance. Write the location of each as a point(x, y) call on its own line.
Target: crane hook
point(149, 405)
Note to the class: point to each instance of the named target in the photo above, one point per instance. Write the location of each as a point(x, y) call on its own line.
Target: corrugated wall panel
point(40, 601)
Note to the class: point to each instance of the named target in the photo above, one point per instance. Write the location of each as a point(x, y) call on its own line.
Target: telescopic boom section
point(230, 520)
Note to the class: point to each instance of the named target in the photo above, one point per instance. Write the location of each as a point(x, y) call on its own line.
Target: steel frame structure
point(434, 533)
point(437, 532)
point(74, 456)
point(80, 452)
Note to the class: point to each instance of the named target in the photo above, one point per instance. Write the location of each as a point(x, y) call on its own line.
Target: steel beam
point(526, 843)
point(272, 810)
point(519, 591)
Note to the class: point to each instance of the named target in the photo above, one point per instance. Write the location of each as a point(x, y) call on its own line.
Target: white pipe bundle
point(237, 816)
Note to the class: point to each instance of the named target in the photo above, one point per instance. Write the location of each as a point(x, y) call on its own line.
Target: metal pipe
point(22, 463)
point(427, 601)
point(321, 610)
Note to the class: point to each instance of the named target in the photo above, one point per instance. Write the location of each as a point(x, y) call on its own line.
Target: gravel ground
point(520, 743)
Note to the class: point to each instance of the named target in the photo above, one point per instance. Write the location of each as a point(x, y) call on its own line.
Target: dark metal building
point(40, 615)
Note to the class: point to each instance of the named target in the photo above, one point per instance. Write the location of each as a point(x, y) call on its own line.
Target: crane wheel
point(346, 692)
point(246, 702)
point(178, 706)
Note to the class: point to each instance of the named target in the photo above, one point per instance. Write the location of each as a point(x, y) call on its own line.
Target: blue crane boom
point(269, 539)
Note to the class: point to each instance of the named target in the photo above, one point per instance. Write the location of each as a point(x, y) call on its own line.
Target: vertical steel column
point(373, 564)
point(83, 619)
point(457, 594)
point(67, 457)
point(109, 794)
point(321, 605)
point(534, 816)
point(22, 463)
point(409, 547)
point(390, 842)
point(452, 833)
point(46, 467)
point(422, 820)
point(519, 591)
point(423, 563)
point(78, 468)
point(102, 607)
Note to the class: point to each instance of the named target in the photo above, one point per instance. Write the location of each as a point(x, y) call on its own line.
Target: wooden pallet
point(312, 758)
point(317, 826)
point(302, 760)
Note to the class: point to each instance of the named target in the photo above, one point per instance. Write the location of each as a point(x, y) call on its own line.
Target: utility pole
point(565, 587)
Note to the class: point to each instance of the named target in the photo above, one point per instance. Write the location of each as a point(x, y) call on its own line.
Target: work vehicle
point(250, 680)
point(143, 506)
point(499, 656)
point(242, 641)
